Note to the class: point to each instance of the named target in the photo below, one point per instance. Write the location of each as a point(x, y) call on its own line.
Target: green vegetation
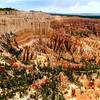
point(8, 9)
point(6, 44)
point(17, 80)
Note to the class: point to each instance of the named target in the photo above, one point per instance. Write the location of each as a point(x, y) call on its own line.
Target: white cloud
point(58, 6)
point(94, 3)
point(77, 5)
point(90, 7)
point(11, 1)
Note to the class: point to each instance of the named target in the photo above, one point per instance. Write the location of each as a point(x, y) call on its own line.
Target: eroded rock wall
point(16, 21)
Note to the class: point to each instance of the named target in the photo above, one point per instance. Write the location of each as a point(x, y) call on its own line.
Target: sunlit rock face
point(20, 21)
point(29, 25)
point(26, 25)
point(49, 49)
point(39, 22)
point(59, 33)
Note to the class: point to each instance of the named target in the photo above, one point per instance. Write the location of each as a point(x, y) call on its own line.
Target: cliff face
point(39, 23)
point(29, 25)
point(26, 25)
point(16, 22)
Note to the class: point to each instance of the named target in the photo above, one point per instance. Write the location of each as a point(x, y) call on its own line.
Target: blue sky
point(58, 6)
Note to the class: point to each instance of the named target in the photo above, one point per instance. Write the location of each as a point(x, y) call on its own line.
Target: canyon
point(35, 23)
point(41, 32)
point(57, 55)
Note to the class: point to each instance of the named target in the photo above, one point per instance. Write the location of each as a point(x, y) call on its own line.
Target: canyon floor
point(44, 57)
